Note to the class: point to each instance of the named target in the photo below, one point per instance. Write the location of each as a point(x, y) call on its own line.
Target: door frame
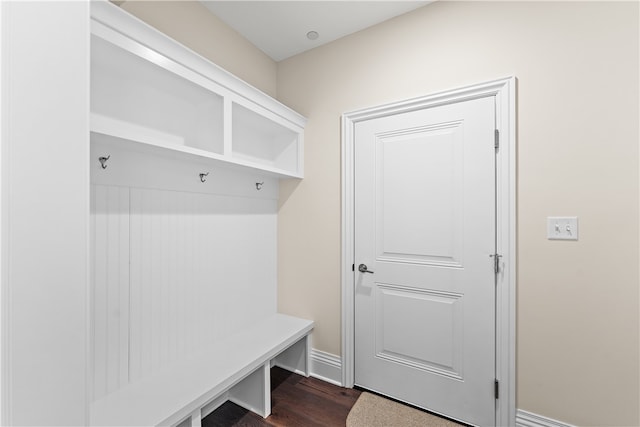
point(504, 91)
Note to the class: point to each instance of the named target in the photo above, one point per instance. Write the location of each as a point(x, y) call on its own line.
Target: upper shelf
point(148, 89)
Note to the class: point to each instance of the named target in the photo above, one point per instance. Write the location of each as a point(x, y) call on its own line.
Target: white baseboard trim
point(528, 419)
point(326, 367)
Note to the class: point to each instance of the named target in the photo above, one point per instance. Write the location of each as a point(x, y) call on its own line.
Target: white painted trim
point(505, 92)
point(506, 246)
point(347, 225)
point(4, 330)
point(528, 419)
point(326, 367)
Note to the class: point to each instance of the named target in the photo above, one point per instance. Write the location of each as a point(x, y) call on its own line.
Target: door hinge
point(496, 389)
point(353, 267)
point(496, 263)
point(496, 140)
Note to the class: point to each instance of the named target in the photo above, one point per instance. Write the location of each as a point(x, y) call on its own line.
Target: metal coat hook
point(259, 185)
point(103, 161)
point(203, 176)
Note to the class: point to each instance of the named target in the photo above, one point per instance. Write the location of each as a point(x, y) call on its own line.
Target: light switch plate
point(562, 228)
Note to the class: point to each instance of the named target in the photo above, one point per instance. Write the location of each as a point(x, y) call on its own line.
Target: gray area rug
point(371, 410)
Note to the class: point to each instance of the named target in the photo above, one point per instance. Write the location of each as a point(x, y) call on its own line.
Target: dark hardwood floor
point(295, 401)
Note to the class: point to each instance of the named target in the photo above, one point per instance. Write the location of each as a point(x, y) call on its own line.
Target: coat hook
point(259, 185)
point(203, 176)
point(103, 161)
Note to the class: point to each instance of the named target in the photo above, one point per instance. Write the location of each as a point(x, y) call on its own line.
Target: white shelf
point(150, 90)
point(130, 89)
point(258, 140)
point(106, 130)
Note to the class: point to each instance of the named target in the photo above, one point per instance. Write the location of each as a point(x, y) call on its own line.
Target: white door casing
point(503, 92)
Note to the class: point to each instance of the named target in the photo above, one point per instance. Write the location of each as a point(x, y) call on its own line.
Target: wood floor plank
point(295, 401)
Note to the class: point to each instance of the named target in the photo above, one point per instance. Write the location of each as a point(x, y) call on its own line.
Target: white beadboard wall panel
point(202, 266)
point(110, 277)
point(174, 270)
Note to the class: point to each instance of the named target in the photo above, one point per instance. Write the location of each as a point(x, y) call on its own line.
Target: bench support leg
point(295, 358)
point(196, 418)
point(254, 391)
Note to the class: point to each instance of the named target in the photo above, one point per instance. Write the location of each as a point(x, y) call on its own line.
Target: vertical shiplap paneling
point(99, 232)
point(110, 237)
point(166, 225)
point(135, 316)
point(171, 318)
point(199, 294)
point(189, 283)
point(123, 266)
point(198, 268)
point(180, 268)
point(140, 319)
point(154, 285)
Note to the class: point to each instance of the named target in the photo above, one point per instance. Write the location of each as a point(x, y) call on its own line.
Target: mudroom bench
point(185, 163)
point(237, 370)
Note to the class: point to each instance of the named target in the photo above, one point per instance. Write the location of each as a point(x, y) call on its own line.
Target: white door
point(425, 230)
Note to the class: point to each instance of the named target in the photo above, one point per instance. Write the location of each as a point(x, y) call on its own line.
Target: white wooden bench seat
point(238, 370)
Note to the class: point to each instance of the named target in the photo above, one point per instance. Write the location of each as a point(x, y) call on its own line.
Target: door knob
point(362, 268)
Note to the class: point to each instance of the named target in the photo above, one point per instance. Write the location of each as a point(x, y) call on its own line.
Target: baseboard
point(527, 419)
point(326, 367)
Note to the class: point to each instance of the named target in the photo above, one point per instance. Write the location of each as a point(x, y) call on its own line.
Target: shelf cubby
point(137, 93)
point(156, 93)
point(260, 140)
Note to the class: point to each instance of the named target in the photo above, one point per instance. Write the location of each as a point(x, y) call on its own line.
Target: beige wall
point(577, 70)
point(190, 23)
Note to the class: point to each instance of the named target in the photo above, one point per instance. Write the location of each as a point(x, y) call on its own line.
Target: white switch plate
point(562, 228)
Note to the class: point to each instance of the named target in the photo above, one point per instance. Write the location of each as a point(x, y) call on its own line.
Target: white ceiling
point(279, 28)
